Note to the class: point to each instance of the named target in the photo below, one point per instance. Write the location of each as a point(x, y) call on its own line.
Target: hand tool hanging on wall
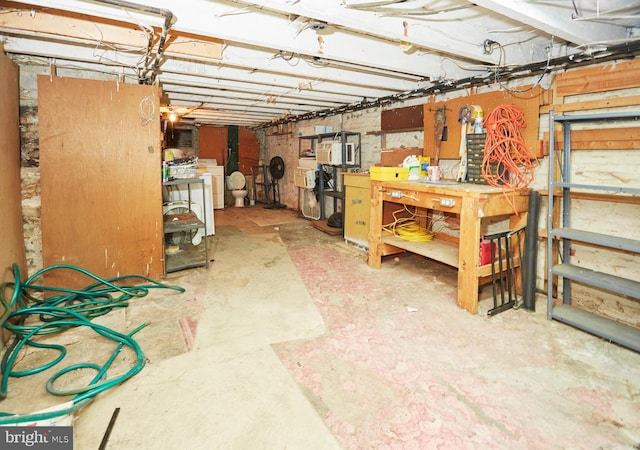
point(464, 116)
point(470, 118)
point(440, 120)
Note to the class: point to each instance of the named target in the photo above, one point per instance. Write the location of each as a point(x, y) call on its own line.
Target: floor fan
point(182, 207)
point(276, 170)
point(310, 204)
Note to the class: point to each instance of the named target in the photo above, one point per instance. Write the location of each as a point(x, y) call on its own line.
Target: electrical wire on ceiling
point(315, 60)
point(68, 65)
point(488, 47)
point(623, 50)
point(186, 113)
point(152, 62)
point(410, 10)
point(283, 56)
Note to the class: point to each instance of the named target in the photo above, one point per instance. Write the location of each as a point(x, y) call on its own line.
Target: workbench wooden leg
point(375, 228)
point(469, 256)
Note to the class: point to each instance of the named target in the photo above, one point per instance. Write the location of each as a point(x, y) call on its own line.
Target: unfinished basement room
point(320, 224)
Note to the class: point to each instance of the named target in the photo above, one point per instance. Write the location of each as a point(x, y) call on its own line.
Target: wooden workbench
point(471, 202)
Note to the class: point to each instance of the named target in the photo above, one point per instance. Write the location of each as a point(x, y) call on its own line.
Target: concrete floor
point(290, 341)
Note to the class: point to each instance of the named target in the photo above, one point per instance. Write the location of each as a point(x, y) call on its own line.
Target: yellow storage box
point(389, 173)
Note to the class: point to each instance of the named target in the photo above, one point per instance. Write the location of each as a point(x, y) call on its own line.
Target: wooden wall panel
point(248, 150)
point(622, 138)
point(619, 75)
point(529, 102)
point(100, 156)
point(213, 144)
point(12, 235)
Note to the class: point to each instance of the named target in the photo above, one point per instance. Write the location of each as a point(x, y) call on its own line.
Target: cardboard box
point(395, 156)
point(389, 173)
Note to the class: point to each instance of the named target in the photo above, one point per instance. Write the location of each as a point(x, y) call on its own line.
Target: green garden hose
point(71, 308)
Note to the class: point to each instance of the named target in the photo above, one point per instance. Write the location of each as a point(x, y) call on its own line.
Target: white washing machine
point(217, 174)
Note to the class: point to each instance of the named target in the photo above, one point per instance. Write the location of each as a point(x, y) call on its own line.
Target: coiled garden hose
point(71, 308)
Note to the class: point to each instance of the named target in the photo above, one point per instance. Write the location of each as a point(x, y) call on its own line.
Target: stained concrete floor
point(289, 340)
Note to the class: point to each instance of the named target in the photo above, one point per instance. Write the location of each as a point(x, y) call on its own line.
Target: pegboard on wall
point(406, 118)
point(530, 102)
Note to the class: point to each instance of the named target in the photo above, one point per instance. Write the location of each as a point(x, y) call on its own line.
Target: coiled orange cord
point(507, 162)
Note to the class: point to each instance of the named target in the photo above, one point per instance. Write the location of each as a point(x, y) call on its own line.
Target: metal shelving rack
point(336, 193)
point(188, 255)
point(569, 270)
point(262, 186)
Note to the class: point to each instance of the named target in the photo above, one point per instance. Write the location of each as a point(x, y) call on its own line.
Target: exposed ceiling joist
point(393, 29)
point(555, 20)
point(256, 62)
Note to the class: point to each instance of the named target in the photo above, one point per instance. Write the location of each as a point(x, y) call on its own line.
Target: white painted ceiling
point(259, 62)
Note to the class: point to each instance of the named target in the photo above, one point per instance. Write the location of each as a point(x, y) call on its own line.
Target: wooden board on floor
point(322, 226)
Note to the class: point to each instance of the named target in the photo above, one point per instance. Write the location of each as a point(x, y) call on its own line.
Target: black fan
point(276, 169)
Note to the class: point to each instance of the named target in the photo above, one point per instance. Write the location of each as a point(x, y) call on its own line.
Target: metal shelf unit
point(332, 172)
point(188, 255)
point(563, 233)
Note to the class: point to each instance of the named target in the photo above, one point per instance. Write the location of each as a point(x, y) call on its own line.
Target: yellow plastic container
point(425, 162)
point(389, 173)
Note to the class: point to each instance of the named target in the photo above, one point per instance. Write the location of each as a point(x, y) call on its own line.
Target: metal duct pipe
point(531, 253)
point(169, 20)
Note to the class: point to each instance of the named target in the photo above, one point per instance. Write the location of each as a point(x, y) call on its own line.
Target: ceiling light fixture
point(172, 115)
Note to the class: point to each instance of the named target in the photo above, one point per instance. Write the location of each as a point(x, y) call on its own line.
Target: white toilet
point(235, 183)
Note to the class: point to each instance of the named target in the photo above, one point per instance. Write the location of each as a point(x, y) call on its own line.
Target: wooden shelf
point(443, 251)
point(405, 130)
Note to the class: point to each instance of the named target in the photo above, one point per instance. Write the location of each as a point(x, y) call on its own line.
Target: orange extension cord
point(507, 162)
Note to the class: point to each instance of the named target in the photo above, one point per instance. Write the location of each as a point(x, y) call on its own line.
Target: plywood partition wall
point(11, 234)
point(100, 163)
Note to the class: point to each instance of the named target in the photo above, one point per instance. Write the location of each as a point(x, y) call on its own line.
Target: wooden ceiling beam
point(102, 31)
